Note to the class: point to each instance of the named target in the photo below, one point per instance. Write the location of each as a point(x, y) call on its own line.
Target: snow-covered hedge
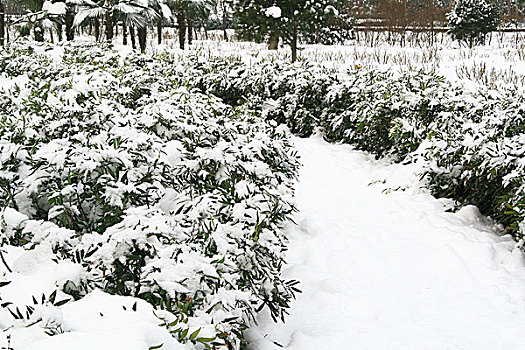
point(148, 186)
point(470, 140)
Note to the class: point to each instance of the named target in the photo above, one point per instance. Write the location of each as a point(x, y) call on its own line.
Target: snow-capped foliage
point(471, 20)
point(470, 140)
point(325, 21)
point(152, 188)
point(167, 178)
point(57, 8)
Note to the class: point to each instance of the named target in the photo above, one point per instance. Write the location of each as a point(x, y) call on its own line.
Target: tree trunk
point(39, 33)
point(51, 35)
point(294, 44)
point(190, 31)
point(132, 37)
point(224, 21)
point(124, 34)
point(97, 29)
point(60, 32)
point(274, 42)
point(142, 31)
point(7, 30)
point(182, 28)
point(159, 31)
point(108, 18)
point(70, 16)
point(2, 24)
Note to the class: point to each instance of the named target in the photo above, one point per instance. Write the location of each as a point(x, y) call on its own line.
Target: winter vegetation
point(160, 158)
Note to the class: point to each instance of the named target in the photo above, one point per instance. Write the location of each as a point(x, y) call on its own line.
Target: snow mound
point(103, 321)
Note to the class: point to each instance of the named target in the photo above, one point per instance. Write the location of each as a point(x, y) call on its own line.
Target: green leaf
point(184, 333)
point(205, 340)
point(194, 334)
point(156, 346)
point(52, 297)
point(62, 302)
point(173, 324)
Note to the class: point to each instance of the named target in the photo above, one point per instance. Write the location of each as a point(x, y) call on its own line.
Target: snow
point(379, 269)
point(392, 271)
point(103, 321)
point(57, 8)
point(273, 11)
point(97, 321)
point(12, 217)
point(166, 11)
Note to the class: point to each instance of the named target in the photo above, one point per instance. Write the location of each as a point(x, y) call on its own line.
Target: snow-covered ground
point(392, 270)
point(379, 269)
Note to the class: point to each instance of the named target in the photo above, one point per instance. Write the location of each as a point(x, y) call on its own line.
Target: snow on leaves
point(154, 189)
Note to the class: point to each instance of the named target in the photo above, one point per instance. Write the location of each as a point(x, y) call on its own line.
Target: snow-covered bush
point(381, 113)
point(289, 93)
point(476, 155)
point(299, 91)
point(155, 189)
point(158, 177)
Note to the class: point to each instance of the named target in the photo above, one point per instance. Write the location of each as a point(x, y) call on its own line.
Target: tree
point(69, 17)
point(289, 20)
point(471, 20)
point(41, 15)
point(180, 14)
point(2, 23)
point(202, 14)
point(136, 13)
point(186, 13)
point(225, 9)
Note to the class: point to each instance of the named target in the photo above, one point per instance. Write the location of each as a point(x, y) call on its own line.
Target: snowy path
point(392, 271)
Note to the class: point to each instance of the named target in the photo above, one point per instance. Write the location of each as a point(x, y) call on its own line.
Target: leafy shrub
point(475, 152)
point(380, 113)
point(155, 189)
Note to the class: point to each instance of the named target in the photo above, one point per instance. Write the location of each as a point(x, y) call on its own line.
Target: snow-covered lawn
point(392, 271)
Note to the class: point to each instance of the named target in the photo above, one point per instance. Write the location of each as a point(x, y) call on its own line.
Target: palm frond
point(84, 13)
point(126, 8)
point(136, 20)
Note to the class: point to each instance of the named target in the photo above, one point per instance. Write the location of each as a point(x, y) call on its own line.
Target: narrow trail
point(392, 271)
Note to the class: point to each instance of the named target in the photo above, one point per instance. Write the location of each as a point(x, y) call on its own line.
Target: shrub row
point(152, 188)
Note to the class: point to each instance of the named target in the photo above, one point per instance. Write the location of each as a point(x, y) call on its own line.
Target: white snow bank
point(101, 321)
